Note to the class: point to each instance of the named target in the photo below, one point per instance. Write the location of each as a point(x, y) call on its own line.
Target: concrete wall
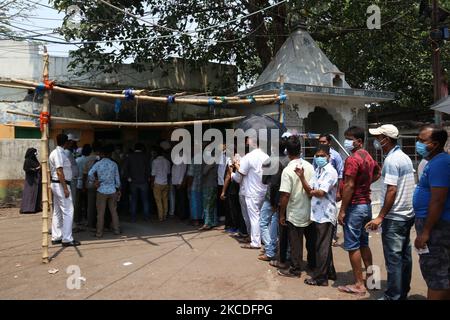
point(12, 156)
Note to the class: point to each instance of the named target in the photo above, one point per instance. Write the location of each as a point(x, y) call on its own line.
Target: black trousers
point(283, 242)
point(221, 212)
point(296, 242)
point(324, 252)
point(80, 208)
point(236, 218)
point(181, 203)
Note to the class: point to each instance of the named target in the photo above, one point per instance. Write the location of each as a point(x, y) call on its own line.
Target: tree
point(395, 58)
point(10, 9)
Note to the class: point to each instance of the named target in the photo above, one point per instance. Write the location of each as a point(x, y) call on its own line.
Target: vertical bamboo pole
point(45, 167)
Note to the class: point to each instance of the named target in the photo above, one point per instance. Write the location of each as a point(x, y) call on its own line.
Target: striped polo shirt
point(398, 171)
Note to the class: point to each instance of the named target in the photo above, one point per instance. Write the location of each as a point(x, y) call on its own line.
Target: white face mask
point(348, 145)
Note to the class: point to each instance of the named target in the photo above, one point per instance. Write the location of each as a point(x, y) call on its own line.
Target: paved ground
point(170, 260)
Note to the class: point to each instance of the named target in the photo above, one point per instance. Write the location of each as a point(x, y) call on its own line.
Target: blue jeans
point(397, 254)
point(143, 190)
point(269, 229)
point(355, 235)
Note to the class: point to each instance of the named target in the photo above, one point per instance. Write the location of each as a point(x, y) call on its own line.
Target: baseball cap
point(388, 130)
point(286, 135)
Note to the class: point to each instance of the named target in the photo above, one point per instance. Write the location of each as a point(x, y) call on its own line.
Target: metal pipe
point(340, 145)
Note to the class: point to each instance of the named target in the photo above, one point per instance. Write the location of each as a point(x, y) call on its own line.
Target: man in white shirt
point(61, 176)
point(322, 189)
point(253, 190)
point(159, 182)
point(179, 184)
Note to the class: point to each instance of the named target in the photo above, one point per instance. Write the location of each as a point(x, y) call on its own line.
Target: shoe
point(290, 273)
point(278, 264)
point(56, 242)
point(117, 232)
point(265, 258)
point(72, 243)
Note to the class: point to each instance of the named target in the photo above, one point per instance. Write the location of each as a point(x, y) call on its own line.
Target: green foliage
point(396, 58)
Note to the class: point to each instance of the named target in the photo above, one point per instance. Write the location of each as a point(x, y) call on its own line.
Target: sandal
point(244, 240)
point(205, 228)
point(351, 289)
point(248, 246)
point(313, 282)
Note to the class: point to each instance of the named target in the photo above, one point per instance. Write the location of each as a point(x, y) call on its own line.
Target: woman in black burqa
point(32, 190)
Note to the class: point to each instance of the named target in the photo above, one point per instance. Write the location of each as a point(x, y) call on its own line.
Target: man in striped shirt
point(396, 216)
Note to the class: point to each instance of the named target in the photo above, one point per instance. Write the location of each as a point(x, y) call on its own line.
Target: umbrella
point(258, 122)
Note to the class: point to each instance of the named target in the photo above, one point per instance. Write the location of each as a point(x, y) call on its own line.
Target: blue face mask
point(321, 161)
point(421, 149)
point(348, 145)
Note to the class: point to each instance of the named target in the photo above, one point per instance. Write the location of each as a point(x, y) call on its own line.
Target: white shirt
point(58, 159)
point(160, 170)
point(324, 209)
point(71, 158)
point(178, 173)
point(251, 169)
point(221, 169)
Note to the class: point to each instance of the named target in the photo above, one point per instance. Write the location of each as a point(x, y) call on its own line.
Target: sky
point(42, 19)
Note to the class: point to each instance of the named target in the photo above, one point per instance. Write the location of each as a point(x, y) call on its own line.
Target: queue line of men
point(299, 202)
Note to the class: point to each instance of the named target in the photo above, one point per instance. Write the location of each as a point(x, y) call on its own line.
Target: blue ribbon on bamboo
point(129, 95)
point(170, 99)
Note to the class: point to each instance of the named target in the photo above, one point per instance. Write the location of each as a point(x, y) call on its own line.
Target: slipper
point(248, 246)
point(352, 290)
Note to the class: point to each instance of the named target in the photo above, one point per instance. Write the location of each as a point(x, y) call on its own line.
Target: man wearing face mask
point(396, 216)
point(360, 171)
point(322, 189)
point(431, 204)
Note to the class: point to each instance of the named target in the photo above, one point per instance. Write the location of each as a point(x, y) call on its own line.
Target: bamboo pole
point(44, 166)
point(266, 99)
point(137, 124)
point(15, 86)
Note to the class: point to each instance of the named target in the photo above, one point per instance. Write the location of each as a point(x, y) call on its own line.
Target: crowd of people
point(276, 212)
